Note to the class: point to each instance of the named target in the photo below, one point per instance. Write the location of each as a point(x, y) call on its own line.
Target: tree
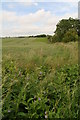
point(70, 35)
point(64, 25)
point(66, 30)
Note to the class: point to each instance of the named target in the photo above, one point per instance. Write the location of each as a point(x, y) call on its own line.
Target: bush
point(49, 38)
point(53, 39)
point(70, 35)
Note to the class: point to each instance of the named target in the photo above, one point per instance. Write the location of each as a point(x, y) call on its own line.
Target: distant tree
point(21, 36)
point(42, 35)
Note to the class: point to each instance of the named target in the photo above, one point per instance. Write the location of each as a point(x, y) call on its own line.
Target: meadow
point(28, 52)
point(39, 79)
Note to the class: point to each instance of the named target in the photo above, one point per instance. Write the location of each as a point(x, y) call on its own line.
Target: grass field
point(39, 79)
point(37, 51)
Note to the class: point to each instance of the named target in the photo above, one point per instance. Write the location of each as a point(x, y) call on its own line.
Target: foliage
point(70, 35)
point(49, 37)
point(53, 39)
point(30, 94)
point(64, 26)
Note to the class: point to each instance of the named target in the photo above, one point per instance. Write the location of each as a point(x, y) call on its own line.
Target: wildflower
point(40, 73)
point(45, 112)
point(46, 116)
point(9, 111)
point(39, 99)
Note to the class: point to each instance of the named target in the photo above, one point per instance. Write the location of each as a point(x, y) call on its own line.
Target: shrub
point(53, 39)
point(70, 35)
point(49, 38)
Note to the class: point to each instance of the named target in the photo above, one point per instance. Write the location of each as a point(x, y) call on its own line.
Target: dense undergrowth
point(40, 93)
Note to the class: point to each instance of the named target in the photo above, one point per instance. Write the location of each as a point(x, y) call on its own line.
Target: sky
point(31, 18)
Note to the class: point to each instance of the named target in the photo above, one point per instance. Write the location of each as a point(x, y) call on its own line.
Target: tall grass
point(31, 51)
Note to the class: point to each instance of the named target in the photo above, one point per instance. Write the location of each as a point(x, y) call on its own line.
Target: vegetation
point(40, 80)
point(29, 52)
point(40, 93)
point(42, 35)
point(66, 30)
point(70, 35)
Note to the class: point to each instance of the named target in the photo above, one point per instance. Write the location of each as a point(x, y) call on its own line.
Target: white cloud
point(34, 23)
point(39, 0)
point(17, 1)
point(28, 3)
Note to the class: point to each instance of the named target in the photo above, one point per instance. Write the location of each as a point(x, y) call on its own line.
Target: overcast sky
point(31, 18)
